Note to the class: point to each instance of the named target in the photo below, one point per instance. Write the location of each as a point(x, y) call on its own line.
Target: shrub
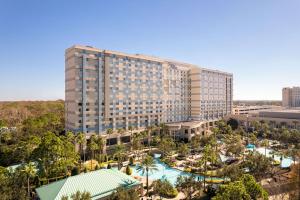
point(128, 170)
point(108, 166)
point(85, 170)
point(164, 189)
point(96, 167)
point(105, 158)
point(194, 170)
point(75, 171)
point(187, 169)
point(131, 161)
point(168, 161)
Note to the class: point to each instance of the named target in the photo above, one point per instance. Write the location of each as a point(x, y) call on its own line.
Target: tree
point(75, 171)
point(79, 196)
point(109, 131)
point(257, 164)
point(253, 188)
point(81, 140)
point(25, 148)
point(253, 138)
point(164, 129)
point(147, 166)
point(265, 143)
point(54, 155)
point(234, 145)
point(128, 170)
point(136, 143)
point(294, 153)
point(124, 194)
point(164, 188)
point(130, 128)
point(30, 172)
point(224, 129)
point(119, 154)
point(188, 185)
point(100, 143)
point(233, 123)
point(183, 149)
point(166, 145)
point(92, 147)
point(195, 142)
point(149, 135)
point(232, 191)
point(207, 156)
point(233, 171)
point(12, 184)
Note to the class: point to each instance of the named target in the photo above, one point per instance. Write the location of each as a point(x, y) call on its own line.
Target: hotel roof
point(99, 184)
point(146, 57)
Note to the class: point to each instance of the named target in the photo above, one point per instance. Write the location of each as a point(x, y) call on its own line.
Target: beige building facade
point(112, 90)
point(291, 97)
point(288, 118)
point(246, 110)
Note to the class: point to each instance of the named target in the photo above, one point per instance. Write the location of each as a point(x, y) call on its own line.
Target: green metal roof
point(99, 184)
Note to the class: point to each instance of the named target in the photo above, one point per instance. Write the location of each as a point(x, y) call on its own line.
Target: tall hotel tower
point(291, 97)
point(112, 90)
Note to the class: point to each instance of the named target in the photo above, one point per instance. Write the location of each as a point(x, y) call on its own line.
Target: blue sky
point(258, 41)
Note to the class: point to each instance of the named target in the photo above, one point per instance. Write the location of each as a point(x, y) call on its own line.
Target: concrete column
point(104, 146)
point(126, 123)
point(149, 120)
point(138, 122)
point(189, 134)
point(99, 94)
point(83, 94)
point(119, 139)
point(114, 124)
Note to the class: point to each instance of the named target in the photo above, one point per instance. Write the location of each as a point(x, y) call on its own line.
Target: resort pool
point(166, 172)
point(286, 161)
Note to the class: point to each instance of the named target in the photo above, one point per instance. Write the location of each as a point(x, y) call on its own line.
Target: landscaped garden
point(224, 162)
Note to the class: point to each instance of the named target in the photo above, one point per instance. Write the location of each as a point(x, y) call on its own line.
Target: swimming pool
point(286, 161)
point(166, 172)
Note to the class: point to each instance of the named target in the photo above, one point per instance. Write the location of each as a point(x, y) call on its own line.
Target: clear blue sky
point(258, 40)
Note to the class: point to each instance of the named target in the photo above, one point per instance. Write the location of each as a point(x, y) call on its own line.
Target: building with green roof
point(100, 184)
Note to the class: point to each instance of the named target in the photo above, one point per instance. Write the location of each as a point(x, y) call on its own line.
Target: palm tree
point(130, 128)
point(164, 128)
point(183, 149)
point(100, 143)
point(81, 140)
point(148, 165)
point(207, 156)
point(119, 153)
point(265, 143)
point(149, 132)
point(295, 124)
point(109, 131)
point(30, 171)
point(93, 146)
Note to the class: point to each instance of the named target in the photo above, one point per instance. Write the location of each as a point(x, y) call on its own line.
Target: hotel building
point(112, 90)
point(291, 97)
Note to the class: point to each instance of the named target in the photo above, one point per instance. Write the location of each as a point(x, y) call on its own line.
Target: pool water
point(166, 172)
point(286, 161)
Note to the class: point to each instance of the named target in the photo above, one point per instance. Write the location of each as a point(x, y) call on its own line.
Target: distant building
point(100, 184)
point(291, 97)
point(111, 90)
point(275, 118)
point(245, 110)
